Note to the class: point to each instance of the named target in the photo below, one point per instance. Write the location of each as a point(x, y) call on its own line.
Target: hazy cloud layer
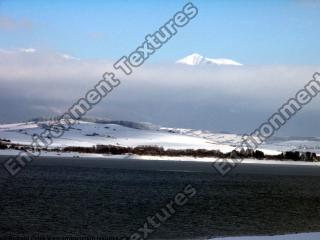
point(236, 99)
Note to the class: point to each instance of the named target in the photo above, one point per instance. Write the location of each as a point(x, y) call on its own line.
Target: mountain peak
point(196, 59)
point(193, 59)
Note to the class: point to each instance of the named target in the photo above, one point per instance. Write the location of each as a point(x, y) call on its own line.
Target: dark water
point(75, 201)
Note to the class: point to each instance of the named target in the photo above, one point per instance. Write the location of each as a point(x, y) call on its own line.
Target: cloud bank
point(235, 99)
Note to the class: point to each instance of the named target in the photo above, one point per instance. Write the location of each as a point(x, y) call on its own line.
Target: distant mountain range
point(196, 59)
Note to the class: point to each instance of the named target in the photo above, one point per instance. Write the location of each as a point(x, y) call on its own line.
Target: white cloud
point(69, 57)
point(27, 50)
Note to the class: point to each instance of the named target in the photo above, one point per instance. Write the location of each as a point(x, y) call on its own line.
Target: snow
point(193, 59)
point(222, 61)
point(217, 138)
point(300, 236)
point(196, 59)
point(310, 144)
point(88, 134)
point(207, 159)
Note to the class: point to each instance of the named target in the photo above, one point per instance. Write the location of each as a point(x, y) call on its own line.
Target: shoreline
point(176, 164)
point(293, 236)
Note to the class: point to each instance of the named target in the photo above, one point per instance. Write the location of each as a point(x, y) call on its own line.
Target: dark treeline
point(160, 151)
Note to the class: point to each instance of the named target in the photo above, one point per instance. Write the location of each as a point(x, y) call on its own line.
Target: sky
point(53, 52)
point(250, 32)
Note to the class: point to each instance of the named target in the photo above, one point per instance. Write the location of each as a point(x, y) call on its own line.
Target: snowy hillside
point(196, 59)
point(130, 134)
point(87, 134)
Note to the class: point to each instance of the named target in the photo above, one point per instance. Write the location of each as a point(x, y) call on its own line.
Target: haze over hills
point(196, 59)
point(214, 97)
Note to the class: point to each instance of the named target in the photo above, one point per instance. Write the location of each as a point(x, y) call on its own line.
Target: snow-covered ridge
point(88, 133)
point(196, 59)
point(121, 133)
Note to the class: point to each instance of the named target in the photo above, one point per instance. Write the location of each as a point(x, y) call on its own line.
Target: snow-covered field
point(271, 147)
point(87, 134)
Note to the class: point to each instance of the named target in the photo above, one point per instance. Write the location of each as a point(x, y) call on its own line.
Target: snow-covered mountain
point(196, 59)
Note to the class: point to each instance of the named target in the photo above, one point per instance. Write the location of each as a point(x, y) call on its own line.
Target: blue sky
point(277, 41)
point(251, 32)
